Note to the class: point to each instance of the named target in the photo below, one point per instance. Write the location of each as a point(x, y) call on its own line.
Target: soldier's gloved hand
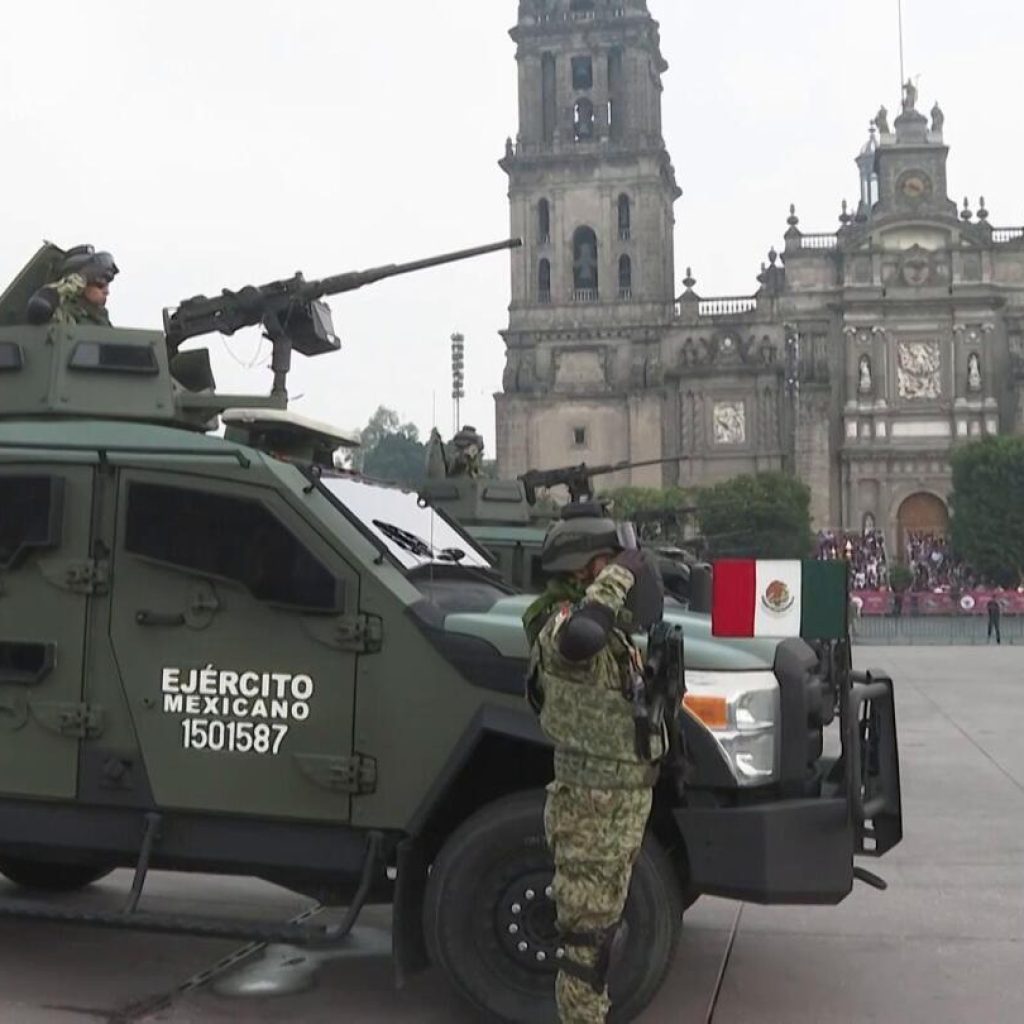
point(632, 560)
point(42, 306)
point(646, 599)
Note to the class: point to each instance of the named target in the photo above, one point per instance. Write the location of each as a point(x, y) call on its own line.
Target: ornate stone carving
point(520, 371)
point(509, 379)
point(695, 352)
point(729, 423)
point(919, 369)
point(687, 422)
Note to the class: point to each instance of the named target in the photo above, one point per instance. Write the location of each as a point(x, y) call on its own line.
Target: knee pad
point(610, 944)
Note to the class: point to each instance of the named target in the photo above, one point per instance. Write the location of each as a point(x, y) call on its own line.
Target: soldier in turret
point(469, 450)
point(80, 294)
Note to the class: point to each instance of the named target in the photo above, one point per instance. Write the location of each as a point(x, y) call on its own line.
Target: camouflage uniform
point(72, 307)
point(599, 802)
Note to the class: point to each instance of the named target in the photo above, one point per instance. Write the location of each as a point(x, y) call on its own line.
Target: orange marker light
point(712, 711)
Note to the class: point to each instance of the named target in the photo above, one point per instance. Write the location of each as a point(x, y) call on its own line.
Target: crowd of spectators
point(864, 551)
point(934, 565)
point(930, 558)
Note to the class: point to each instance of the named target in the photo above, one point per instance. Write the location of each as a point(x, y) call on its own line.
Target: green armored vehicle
point(505, 517)
point(219, 654)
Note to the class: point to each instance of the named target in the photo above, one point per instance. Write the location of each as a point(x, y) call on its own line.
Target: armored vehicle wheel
point(44, 877)
point(491, 926)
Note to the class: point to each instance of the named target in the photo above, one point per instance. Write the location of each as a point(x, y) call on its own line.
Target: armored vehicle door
point(229, 622)
point(46, 579)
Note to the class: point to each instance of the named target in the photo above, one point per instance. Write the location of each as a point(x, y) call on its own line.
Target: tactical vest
point(588, 715)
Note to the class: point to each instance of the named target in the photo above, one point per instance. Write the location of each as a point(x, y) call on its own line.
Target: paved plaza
point(944, 944)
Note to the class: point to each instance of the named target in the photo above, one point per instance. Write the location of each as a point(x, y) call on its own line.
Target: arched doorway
point(921, 513)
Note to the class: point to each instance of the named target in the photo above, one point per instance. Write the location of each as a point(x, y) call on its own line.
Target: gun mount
point(60, 371)
point(291, 312)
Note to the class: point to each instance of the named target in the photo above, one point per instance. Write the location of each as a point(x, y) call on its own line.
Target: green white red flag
point(779, 599)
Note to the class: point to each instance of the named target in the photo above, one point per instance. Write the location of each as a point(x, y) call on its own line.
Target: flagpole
point(899, 11)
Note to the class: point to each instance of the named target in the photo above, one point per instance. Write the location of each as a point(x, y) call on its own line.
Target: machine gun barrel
point(357, 279)
point(578, 478)
point(283, 307)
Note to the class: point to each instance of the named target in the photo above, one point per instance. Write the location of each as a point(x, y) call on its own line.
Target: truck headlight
point(741, 711)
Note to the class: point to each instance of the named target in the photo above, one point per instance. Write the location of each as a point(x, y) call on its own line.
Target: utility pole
point(458, 377)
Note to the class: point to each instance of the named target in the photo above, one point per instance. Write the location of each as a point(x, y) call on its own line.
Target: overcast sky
point(213, 144)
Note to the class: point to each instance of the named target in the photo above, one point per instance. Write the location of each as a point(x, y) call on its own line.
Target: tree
point(660, 513)
point(988, 507)
point(762, 516)
point(391, 450)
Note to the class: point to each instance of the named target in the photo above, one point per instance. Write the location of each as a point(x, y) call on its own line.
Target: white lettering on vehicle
point(226, 711)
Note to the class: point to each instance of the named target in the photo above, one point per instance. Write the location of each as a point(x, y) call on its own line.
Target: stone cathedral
point(863, 357)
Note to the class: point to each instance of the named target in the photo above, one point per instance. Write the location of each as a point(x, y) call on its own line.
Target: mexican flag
point(779, 599)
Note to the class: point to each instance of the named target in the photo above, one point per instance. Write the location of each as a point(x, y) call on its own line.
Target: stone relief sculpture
point(730, 423)
point(974, 372)
point(919, 369)
point(864, 381)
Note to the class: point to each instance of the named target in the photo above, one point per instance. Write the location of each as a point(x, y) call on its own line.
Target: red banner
point(938, 602)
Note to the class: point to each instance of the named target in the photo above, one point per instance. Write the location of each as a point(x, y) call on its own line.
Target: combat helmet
point(92, 265)
point(584, 531)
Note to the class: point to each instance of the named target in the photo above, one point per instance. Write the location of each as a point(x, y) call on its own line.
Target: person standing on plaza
point(584, 666)
point(995, 615)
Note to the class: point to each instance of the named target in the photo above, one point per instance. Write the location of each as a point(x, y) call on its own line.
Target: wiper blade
point(405, 539)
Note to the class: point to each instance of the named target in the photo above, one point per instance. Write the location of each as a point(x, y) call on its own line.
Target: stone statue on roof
point(882, 120)
point(909, 96)
point(938, 118)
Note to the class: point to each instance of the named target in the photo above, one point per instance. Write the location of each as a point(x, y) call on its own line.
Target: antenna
point(903, 77)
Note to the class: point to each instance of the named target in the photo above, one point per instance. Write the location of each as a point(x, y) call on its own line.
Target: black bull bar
point(801, 850)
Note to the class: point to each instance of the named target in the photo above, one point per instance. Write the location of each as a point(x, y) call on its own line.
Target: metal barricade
point(955, 630)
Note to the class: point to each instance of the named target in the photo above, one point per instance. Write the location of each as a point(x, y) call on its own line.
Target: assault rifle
point(663, 688)
point(291, 311)
point(578, 478)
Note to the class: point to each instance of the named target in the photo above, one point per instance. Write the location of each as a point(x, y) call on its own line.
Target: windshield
point(414, 536)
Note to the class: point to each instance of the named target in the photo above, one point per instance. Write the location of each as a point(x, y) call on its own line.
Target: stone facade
point(864, 356)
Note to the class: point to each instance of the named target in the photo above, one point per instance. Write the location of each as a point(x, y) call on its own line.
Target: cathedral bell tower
point(591, 189)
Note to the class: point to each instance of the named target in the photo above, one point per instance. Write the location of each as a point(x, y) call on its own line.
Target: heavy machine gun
point(578, 479)
point(291, 312)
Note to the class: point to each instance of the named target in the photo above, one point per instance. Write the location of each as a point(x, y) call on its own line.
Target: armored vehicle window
point(94, 355)
point(413, 534)
point(30, 516)
point(234, 538)
point(10, 356)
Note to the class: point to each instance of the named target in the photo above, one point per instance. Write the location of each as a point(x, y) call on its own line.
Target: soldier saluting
point(584, 669)
point(79, 295)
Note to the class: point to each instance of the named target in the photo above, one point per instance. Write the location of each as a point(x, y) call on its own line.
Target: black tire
point(40, 876)
point(488, 867)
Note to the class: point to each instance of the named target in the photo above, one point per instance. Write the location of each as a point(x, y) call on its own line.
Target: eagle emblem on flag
point(777, 597)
